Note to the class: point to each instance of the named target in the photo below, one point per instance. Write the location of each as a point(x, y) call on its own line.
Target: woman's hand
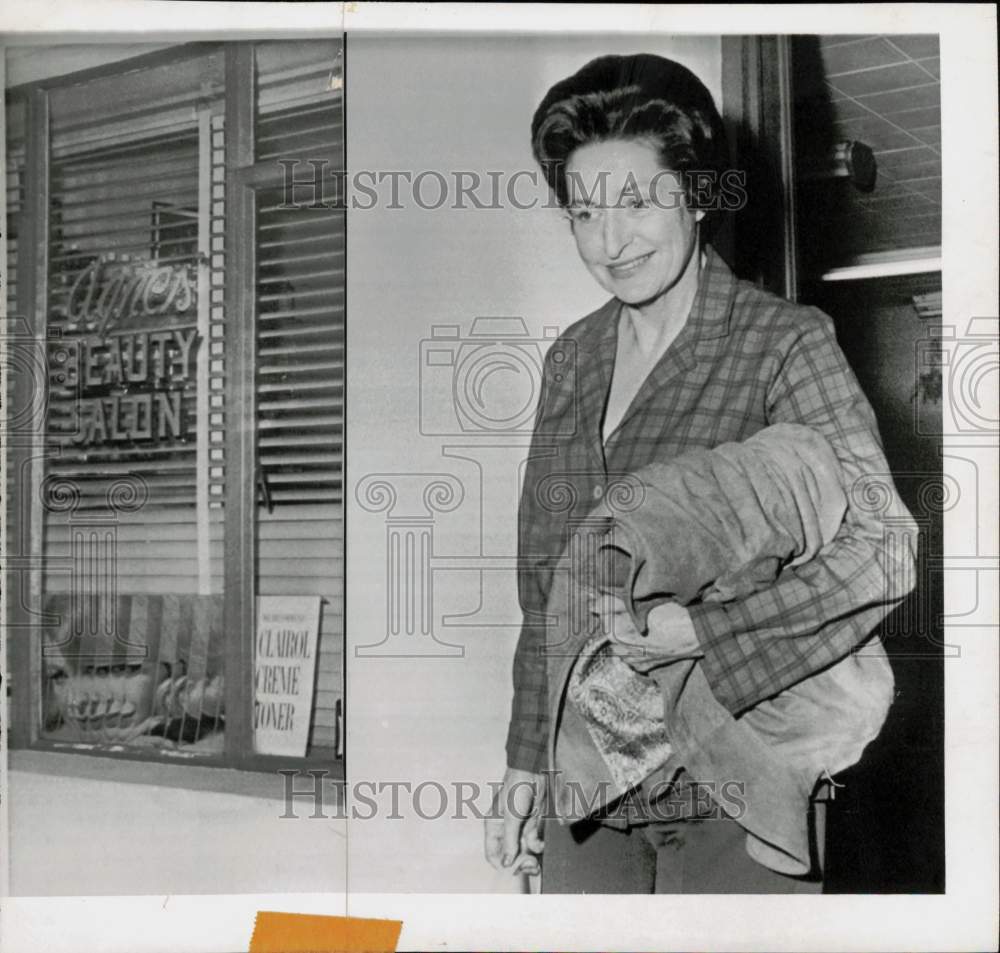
point(671, 633)
point(513, 836)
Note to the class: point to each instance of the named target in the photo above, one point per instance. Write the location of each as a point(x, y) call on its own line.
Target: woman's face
point(633, 229)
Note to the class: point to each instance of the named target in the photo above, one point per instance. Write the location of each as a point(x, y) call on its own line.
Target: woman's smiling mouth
point(629, 267)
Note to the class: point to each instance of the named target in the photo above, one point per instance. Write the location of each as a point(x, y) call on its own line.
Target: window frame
point(25, 452)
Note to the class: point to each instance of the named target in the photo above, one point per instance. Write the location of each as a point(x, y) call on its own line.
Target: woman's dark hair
point(643, 97)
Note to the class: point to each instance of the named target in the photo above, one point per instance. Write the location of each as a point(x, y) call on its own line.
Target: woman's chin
point(627, 290)
point(634, 293)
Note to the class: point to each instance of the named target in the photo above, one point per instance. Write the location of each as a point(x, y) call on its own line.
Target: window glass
point(126, 499)
point(131, 497)
point(300, 363)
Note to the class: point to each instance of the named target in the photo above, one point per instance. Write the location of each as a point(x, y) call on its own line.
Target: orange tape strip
point(308, 933)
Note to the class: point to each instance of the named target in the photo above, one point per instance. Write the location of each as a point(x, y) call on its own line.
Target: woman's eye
point(581, 215)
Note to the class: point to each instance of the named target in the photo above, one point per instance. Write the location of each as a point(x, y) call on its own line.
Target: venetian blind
point(300, 349)
point(135, 323)
point(15, 196)
point(14, 187)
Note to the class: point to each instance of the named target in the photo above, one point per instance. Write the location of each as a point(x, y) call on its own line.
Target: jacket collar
point(713, 304)
point(708, 320)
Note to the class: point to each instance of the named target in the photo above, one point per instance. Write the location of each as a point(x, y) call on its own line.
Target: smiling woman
point(673, 376)
point(641, 246)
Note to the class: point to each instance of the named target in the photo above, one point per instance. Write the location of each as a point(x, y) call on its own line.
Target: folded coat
point(711, 525)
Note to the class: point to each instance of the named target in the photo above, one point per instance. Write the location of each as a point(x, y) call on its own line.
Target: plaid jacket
point(745, 359)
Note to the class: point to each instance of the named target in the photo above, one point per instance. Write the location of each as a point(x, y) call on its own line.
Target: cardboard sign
point(285, 652)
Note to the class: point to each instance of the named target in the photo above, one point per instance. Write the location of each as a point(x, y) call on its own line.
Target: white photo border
point(965, 917)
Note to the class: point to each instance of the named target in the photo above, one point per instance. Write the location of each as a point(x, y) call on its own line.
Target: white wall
point(444, 104)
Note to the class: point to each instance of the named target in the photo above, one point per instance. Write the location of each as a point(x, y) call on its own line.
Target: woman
point(683, 357)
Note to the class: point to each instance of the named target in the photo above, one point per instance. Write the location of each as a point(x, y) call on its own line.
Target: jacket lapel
point(709, 319)
point(676, 360)
point(595, 383)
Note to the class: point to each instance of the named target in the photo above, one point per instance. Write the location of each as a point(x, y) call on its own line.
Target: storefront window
point(136, 657)
point(299, 363)
point(128, 483)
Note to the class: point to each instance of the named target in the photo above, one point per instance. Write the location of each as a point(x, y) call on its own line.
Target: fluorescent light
point(909, 261)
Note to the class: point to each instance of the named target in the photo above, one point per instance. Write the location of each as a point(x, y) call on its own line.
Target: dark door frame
point(757, 111)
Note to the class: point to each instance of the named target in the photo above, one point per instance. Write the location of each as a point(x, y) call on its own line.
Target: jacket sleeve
point(818, 612)
point(527, 735)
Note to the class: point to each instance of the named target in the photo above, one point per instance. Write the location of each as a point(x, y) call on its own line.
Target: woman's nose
point(615, 233)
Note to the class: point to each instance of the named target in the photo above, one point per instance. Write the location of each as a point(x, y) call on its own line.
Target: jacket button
point(598, 491)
